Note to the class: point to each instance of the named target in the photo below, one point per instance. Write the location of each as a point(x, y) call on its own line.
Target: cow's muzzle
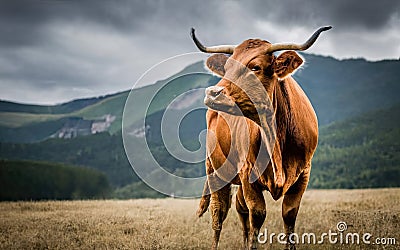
point(217, 100)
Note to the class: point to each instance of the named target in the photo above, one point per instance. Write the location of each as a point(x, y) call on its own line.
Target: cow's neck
point(275, 130)
point(279, 114)
point(282, 106)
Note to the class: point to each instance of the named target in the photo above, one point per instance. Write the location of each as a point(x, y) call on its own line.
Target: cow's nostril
point(217, 92)
point(214, 90)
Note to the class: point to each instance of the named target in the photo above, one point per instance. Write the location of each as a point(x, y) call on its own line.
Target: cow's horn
point(228, 49)
point(304, 46)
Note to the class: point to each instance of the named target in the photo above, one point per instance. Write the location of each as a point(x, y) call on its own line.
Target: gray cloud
point(350, 13)
point(54, 50)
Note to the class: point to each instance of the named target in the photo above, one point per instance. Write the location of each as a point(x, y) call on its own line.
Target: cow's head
point(250, 74)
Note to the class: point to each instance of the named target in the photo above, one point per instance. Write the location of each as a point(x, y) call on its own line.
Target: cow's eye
point(256, 68)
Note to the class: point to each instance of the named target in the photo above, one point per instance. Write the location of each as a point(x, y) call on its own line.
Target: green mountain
point(340, 89)
point(361, 152)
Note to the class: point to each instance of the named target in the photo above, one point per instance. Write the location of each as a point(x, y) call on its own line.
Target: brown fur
point(296, 141)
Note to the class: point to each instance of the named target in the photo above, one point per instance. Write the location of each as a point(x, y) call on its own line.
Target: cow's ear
point(216, 64)
point(287, 63)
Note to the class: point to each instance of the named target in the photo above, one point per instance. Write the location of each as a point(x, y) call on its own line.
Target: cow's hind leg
point(257, 211)
point(291, 204)
point(219, 207)
point(243, 212)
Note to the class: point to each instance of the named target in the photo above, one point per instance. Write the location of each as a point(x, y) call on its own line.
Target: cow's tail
point(205, 200)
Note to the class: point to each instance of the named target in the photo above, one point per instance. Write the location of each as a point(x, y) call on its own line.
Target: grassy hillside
point(31, 132)
point(19, 119)
point(359, 152)
point(15, 115)
point(172, 224)
point(28, 180)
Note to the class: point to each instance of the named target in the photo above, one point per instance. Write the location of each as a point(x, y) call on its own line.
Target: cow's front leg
point(219, 207)
point(291, 204)
point(257, 211)
point(243, 213)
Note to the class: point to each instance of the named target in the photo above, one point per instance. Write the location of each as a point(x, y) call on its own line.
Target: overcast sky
point(56, 51)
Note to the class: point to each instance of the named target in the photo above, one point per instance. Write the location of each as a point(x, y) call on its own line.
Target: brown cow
point(262, 134)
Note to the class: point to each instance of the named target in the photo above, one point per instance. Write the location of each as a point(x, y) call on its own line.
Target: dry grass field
point(171, 223)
